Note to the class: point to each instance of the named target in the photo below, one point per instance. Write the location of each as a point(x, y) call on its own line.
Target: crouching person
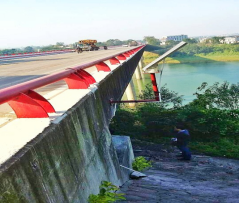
point(181, 141)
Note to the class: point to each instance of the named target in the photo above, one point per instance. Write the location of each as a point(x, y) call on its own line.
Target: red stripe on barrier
point(121, 57)
point(75, 81)
point(126, 54)
point(102, 67)
point(25, 107)
point(87, 76)
point(114, 60)
point(41, 100)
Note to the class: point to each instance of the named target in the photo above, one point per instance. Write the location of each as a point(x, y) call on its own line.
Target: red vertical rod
point(155, 88)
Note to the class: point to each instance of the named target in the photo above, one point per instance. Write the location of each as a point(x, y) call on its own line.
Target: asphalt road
point(15, 71)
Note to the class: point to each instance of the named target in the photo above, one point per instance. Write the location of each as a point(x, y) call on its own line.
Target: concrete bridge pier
point(141, 65)
point(130, 93)
point(138, 73)
point(140, 86)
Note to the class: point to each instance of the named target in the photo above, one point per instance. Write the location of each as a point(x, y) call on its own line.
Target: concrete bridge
point(58, 147)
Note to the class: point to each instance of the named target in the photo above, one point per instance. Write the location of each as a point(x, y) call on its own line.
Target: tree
point(169, 98)
point(224, 96)
point(171, 43)
point(189, 40)
point(100, 44)
point(9, 51)
point(59, 44)
point(28, 49)
point(48, 48)
point(216, 40)
point(113, 42)
point(152, 40)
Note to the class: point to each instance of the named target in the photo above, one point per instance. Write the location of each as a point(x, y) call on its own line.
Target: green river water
point(185, 78)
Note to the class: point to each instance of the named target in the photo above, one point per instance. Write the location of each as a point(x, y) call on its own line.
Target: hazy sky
point(44, 22)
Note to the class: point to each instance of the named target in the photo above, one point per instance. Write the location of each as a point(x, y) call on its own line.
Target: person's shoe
point(179, 155)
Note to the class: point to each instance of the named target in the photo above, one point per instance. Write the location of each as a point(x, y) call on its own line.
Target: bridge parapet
point(64, 159)
point(27, 103)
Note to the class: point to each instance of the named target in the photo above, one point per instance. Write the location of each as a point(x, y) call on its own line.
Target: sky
point(44, 22)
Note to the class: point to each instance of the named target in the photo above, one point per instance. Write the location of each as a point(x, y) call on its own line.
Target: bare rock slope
point(204, 179)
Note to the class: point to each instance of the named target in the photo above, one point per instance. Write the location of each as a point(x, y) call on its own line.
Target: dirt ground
point(204, 179)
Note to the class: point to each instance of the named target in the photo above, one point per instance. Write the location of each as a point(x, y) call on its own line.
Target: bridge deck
point(15, 133)
point(18, 70)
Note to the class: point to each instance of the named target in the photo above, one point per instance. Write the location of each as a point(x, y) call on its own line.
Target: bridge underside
point(69, 159)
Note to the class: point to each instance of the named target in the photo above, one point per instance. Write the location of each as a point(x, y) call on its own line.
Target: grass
point(221, 57)
point(223, 148)
point(149, 57)
point(199, 58)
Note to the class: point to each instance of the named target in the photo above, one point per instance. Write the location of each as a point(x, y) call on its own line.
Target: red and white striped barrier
point(27, 103)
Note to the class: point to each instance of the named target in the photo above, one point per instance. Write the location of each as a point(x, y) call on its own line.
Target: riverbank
point(198, 58)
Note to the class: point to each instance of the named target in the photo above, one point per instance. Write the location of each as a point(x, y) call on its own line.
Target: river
point(185, 78)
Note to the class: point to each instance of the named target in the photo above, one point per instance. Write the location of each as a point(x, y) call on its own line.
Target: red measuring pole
point(155, 88)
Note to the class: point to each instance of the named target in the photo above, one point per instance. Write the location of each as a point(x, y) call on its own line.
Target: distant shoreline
point(203, 59)
point(198, 58)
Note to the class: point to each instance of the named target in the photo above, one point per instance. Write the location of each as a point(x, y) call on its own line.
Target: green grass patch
point(149, 57)
point(201, 58)
point(223, 148)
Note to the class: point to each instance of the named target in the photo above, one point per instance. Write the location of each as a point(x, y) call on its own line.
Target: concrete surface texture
point(125, 154)
point(204, 179)
point(73, 153)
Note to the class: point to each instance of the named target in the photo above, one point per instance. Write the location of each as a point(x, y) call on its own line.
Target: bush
point(140, 163)
point(107, 194)
point(225, 147)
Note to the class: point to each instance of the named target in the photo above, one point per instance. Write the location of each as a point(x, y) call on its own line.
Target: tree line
point(29, 49)
point(210, 45)
point(61, 45)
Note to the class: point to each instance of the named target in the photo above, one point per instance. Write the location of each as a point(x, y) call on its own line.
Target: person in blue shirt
point(182, 140)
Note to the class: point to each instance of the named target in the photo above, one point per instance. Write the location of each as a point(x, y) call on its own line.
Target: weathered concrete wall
point(125, 154)
point(69, 159)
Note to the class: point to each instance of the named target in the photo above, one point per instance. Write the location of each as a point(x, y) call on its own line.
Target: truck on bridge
point(132, 43)
point(86, 45)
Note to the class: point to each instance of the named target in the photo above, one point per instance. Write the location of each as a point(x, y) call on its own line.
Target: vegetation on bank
point(140, 163)
point(107, 194)
point(212, 119)
point(198, 53)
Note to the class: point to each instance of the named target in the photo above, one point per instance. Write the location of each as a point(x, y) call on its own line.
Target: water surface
point(185, 78)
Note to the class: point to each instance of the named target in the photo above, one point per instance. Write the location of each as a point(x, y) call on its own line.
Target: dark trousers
point(185, 152)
